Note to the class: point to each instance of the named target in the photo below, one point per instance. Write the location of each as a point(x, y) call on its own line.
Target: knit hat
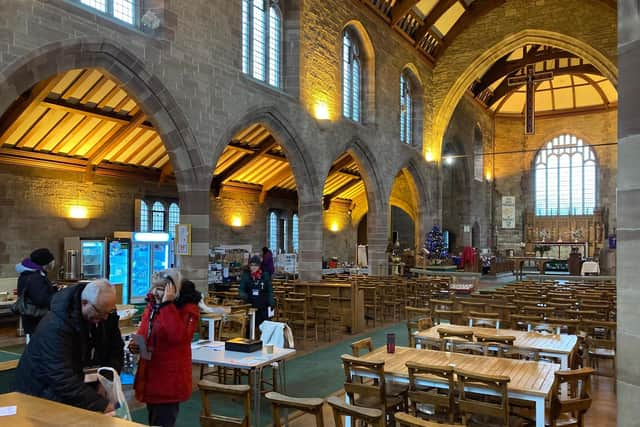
point(255, 260)
point(41, 256)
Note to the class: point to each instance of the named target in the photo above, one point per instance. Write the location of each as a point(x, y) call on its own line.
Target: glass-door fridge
point(150, 253)
point(92, 258)
point(120, 265)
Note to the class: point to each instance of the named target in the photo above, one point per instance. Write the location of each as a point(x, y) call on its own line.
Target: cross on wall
point(529, 79)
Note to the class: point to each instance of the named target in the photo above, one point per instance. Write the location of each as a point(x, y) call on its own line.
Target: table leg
point(212, 328)
point(539, 411)
point(256, 396)
point(252, 326)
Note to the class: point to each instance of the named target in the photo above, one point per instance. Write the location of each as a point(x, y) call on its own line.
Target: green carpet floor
point(316, 374)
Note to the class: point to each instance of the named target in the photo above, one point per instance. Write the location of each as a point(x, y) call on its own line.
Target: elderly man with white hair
point(81, 331)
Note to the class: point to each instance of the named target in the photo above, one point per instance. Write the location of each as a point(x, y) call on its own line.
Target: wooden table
point(518, 263)
point(558, 346)
point(35, 412)
point(254, 362)
point(530, 381)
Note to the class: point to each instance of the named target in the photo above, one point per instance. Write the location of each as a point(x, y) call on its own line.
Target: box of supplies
point(244, 345)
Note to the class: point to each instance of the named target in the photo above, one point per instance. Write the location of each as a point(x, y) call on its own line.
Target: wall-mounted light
point(428, 156)
point(334, 227)
point(488, 176)
point(448, 160)
point(78, 217)
point(321, 110)
point(236, 221)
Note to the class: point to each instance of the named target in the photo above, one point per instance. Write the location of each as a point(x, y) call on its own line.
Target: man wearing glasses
point(81, 331)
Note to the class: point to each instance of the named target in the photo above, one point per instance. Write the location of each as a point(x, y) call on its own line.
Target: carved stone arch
point(123, 66)
point(365, 44)
point(300, 161)
point(445, 108)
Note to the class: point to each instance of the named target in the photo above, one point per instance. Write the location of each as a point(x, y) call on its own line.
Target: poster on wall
point(508, 212)
point(183, 239)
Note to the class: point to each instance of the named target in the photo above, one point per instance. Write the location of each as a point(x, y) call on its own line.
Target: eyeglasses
point(102, 313)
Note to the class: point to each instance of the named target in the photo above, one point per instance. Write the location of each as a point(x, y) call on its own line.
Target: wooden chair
point(406, 420)
point(209, 419)
point(453, 317)
point(522, 322)
point(370, 416)
point(577, 400)
point(370, 294)
point(417, 325)
point(363, 344)
point(483, 320)
point(601, 349)
point(466, 334)
point(309, 405)
point(370, 394)
point(229, 326)
point(500, 339)
point(414, 313)
point(475, 348)
point(323, 314)
point(298, 317)
point(471, 404)
point(511, 352)
point(438, 397)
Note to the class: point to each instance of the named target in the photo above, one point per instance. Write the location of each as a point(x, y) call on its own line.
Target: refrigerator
point(93, 258)
point(119, 264)
point(150, 252)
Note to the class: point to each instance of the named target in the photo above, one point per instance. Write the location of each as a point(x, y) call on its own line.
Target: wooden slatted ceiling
point(85, 115)
point(270, 168)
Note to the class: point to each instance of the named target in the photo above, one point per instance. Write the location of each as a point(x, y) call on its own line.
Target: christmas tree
point(435, 244)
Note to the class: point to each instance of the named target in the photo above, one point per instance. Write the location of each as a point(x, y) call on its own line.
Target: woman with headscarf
point(256, 289)
point(35, 288)
point(163, 380)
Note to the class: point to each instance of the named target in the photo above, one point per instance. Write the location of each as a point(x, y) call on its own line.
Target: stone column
point(378, 238)
point(310, 240)
point(628, 208)
point(194, 210)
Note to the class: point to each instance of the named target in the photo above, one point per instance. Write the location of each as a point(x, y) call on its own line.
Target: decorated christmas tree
point(435, 244)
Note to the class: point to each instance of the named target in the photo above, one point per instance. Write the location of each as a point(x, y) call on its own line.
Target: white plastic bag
point(115, 393)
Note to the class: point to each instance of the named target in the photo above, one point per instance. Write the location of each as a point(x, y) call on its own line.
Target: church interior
point(413, 166)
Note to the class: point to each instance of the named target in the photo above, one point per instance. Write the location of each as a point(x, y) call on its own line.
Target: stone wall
point(513, 172)
point(465, 199)
point(35, 204)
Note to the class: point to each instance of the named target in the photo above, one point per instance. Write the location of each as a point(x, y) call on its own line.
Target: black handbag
point(25, 308)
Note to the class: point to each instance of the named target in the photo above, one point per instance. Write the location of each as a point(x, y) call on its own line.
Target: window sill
point(262, 85)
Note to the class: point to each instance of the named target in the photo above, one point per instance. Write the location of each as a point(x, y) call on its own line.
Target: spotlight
point(448, 160)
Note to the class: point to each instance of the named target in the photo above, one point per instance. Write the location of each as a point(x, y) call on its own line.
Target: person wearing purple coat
point(267, 261)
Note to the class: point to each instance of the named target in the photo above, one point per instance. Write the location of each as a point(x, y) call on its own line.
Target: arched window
point(261, 40)
point(565, 178)
point(351, 80)
point(123, 10)
point(478, 154)
point(273, 232)
point(174, 217)
point(406, 111)
point(157, 217)
point(294, 232)
point(144, 216)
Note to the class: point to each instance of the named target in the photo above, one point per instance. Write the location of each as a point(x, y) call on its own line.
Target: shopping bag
point(114, 392)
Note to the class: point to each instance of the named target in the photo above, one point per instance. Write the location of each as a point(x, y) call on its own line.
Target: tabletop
point(34, 412)
point(531, 378)
point(549, 343)
point(215, 354)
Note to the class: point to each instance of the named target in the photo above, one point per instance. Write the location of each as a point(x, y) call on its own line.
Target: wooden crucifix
point(530, 78)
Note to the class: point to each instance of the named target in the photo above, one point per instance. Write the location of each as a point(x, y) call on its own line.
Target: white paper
point(5, 411)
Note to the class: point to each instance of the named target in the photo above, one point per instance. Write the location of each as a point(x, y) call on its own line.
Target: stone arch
point(410, 71)
point(478, 66)
point(126, 68)
point(300, 160)
point(478, 153)
point(369, 71)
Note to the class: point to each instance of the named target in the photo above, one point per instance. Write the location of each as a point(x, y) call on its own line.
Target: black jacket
point(52, 363)
point(38, 290)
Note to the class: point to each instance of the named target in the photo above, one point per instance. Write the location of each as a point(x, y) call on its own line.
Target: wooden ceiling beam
point(503, 68)
point(504, 89)
point(438, 10)
point(97, 113)
point(80, 80)
point(326, 200)
point(474, 11)
point(26, 103)
point(400, 9)
point(165, 172)
point(109, 142)
point(97, 86)
point(260, 150)
point(272, 182)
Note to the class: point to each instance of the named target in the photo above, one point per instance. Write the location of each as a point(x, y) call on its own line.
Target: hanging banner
point(508, 212)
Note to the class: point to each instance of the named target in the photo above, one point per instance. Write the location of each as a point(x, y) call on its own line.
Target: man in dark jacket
point(34, 286)
point(80, 331)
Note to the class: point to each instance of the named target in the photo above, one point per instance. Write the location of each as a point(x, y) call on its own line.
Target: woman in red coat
point(168, 324)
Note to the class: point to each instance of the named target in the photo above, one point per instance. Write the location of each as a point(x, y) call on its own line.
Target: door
point(119, 265)
point(160, 256)
point(140, 271)
point(93, 256)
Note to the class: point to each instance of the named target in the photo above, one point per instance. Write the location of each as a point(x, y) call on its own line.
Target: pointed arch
point(367, 69)
point(444, 110)
point(411, 124)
